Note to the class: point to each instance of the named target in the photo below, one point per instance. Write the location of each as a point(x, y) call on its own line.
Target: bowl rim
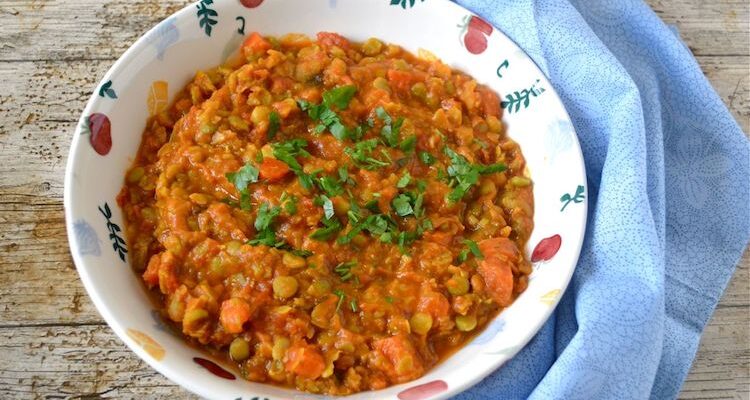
point(183, 380)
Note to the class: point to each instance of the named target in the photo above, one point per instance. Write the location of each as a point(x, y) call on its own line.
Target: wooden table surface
point(54, 344)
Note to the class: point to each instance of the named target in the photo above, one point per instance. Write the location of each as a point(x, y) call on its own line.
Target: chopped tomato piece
point(400, 81)
point(305, 361)
point(405, 362)
point(496, 268)
point(273, 170)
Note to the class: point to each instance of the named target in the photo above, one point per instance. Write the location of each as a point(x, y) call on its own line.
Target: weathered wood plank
point(52, 53)
point(96, 29)
point(83, 362)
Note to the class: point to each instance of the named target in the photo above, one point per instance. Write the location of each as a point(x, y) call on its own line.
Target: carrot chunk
point(234, 314)
point(255, 44)
point(273, 170)
point(405, 363)
point(305, 361)
point(496, 268)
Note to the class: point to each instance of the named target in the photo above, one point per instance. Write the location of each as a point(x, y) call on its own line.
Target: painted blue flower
point(490, 332)
point(88, 241)
point(166, 34)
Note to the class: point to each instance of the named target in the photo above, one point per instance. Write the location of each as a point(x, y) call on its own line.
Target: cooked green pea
point(519, 181)
point(319, 288)
point(285, 286)
point(419, 90)
point(457, 285)
point(280, 345)
point(466, 323)
point(421, 323)
point(372, 47)
point(382, 84)
point(136, 174)
point(239, 350)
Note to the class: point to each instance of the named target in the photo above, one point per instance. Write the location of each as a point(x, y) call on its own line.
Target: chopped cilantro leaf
point(426, 158)
point(274, 125)
point(341, 295)
point(474, 248)
point(331, 227)
point(407, 145)
point(339, 97)
point(288, 152)
point(245, 200)
point(404, 181)
point(246, 175)
point(464, 175)
point(361, 154)
point(344, 270)
point(302, 253)
point(266, 215)
point(289, 203)
point(327, 206)
point(389, 299)
point(402, 205)
point(330, 186)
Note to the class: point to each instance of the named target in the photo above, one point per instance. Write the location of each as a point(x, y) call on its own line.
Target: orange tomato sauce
point(332, 216)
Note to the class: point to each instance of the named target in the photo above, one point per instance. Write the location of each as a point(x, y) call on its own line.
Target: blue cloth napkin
point(669, 193)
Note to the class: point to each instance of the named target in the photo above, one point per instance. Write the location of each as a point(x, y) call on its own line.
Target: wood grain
point(52, 54)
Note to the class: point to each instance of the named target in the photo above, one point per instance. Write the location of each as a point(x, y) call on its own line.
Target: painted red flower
point(214, 368)
point(100, 133)
point(251, 3)
point(475, 32)
point(546, 249)
point(423, 391)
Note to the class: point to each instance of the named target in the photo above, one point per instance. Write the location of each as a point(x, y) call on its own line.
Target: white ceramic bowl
point(202, 35)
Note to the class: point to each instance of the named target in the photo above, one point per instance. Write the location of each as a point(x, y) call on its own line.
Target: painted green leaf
point(514, 102)
point(205, 16)
point(405, 3)
point(107, 91)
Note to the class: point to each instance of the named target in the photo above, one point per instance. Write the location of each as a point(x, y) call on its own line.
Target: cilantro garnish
point(404, 181)
point(288, 152)
point(246, 175)
point(289, 203)
point(341, 295)
point(323, 113)
point(463, 175)
point(353, 305)
point(471, 247)
point(361, 154)
point(339, 97)
point(330, 186)
point(263, 224)
point(327, 205)
point(426, 158)
point(344, 270)
point(240, 179)
point(274, 124)
point(409, 144)
point(391, 130)
point(402, 205)
point(331, 227)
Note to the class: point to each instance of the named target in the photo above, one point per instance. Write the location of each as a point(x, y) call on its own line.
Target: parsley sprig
point(288, 152)
point(362, 155)
point(241, 179)
point(463, 175)
point(326, 116)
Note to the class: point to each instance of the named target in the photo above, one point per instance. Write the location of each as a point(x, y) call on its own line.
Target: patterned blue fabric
point(669, 209)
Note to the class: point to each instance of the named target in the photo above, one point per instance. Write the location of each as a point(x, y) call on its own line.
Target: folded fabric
point(669, 193)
